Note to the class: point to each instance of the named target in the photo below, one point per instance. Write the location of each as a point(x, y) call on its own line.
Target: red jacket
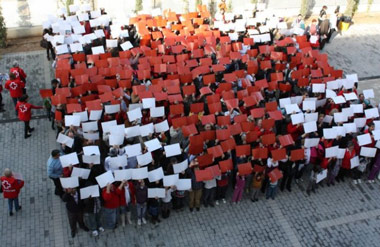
point(111, 200)
point(20, 74)
point(24, 110)
point(346, 162)
point(122, 200)
point(15, 87)
point(11, 186)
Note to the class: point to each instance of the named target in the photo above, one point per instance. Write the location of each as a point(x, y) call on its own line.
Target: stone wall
point(24, 17)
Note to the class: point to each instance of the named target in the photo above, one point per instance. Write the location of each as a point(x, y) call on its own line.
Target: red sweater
point(24, 110)
point(15, 87)
point(11, 186)
point(111, 200)
point(346, 162)
point(122, 200)
point(20, 74)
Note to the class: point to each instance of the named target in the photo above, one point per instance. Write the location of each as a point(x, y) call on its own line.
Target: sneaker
point(10, 214)
point(85, 228)
point(95, 233)
point(217, 203)
point(101, 229)
point(198, 209)
point(143, 221)
point(359, 181)
point(73, 234)
point(139, 222)
point(224, 200)
point(355, 182)
point(31, 129)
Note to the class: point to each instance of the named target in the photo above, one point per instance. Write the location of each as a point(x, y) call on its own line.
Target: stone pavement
point(343, 215)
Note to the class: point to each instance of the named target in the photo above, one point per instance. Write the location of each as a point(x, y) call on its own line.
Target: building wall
point(24, 17)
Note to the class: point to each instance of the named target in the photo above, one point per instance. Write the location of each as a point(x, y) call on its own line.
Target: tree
point(186, 6)
point(304, 7)
point(212, 8)
point(352, 6)
point(67, 3)
point(3, 31)
point(138, 6)
point(198, 2)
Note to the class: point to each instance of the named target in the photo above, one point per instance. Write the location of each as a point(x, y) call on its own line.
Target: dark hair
point(24, 98)
point(12, 76)
point(54, 81)
point(55, 152)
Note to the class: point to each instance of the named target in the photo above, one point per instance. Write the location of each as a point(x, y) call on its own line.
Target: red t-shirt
point(15, 87)
point(24, 110)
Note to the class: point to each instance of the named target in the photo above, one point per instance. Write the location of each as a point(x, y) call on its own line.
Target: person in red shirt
point(111, 204)
point(11, 188)
point(15, 87)
point(19, 73)
point(345, 169)
point(24, 110)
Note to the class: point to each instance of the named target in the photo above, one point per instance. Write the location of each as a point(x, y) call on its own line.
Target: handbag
point(44, 43)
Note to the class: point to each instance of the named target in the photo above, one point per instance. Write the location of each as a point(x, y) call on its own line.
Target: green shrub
point(3, 31)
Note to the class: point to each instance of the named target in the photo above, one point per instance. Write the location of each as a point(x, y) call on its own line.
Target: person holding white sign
point(110, 206)
point(92, 215)
point(74, 208)
point(345, 169)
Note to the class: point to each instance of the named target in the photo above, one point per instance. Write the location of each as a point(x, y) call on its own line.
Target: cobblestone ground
point(343, 215)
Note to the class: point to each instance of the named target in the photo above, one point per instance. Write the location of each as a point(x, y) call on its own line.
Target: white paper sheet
point(90, 126)
point(106, 126)
point(322, 175)
point(157, 111)
point(340, 117)
point(369, 94)
point(329, 133)
point(116, 139)
point(297, 118)
point(311, 142)
point(149, 103)
point(111, 109)
point(91, 136)
point(357, 108)
point(153, 145)
point(69, 159)
point(354, 162)
point(331, 152)
point(88, 191)
point(134, 114)
point(371, 113)
point(111, 43)
point(161, 127)
point(292, 108)
point(140, 173)
point(310, 127)
point(64, 139)
point(183, 184)
point(96, 114)
point(90, 150)
point(170, 180)
point(91, 159)
point(70, 182)
point(97, 50)
point(146, 129)
point(284, 102)
point(310, 117)
point(132, 131)
point(156, 175)
point(318, 87)
point(82, 115)
point(72, 120)
point(80, 172)
point(180, 167)
point(121, 175)
point(156, 193)
point(368, 152)
point(118, 161)
point(172, 150)
point(133, 150)
point(350, 127)
point(104, 179)
point(144, 159)
point(308, 105)
point(126, 46)
point(350, 96)
point(364, 139)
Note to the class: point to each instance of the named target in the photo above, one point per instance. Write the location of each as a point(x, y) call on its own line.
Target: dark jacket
point(71, 205)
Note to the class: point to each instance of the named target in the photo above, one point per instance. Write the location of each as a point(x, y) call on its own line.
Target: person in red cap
point(24, 110)
point(15, 87)
point(11, 188)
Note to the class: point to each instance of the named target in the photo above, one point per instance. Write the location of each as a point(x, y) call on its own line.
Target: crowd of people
point(169, 111)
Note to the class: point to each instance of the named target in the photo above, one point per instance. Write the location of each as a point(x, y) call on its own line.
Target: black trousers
point(58, 186)
point(26, 128)
point(221, 192)
point(75, 218)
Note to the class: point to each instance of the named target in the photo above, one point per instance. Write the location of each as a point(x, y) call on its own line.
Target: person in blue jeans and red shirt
point(11, 187)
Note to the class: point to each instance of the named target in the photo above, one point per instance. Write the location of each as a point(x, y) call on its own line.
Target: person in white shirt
point(209, 192)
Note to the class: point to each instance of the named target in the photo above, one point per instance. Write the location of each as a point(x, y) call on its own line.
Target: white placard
point(350, 96)
point(91, 136)
point(183, 184)
point(88, 191)
point(170, 180)
point(80, 172)
point(339, 100)
point(331, 152)
point(111, 109)
point(364, 139)
point(348, 112)
point(329, 133)
point(118, 161)
point(319, 87)
point(341, 153)
point(106, 126)
point(153, 145)
point(368, 152)
point(297, 118)
point(156, 175)
point(156, 193)
point(354, 162)
point(133, 150)
point(134, 114)
point(99, 33)
point(90, 126)
point(76, 47)
point(369, 94)
point(121, 175)
point(330, 94)
point(91, 159)
point(157, 111)
point(356, 108)
point(148, 103)
point(314, 39)
point(360, 122)
point(371, 113)
point(308, 105)
point(340, 130)
point(95, 114)
point(376, 134)
point(310, 127)
point(340, 117)
point(90, 150)
point(82, 115)
point(322, 175)
point(311, 142)
point(144, 159)
point(97, 50)
point(292, 108)
point(69, 159)
point(71, 120)
point(64, 139)
point(104, 179)
point(328, 119)
point(172, 150)
point(140, 173)
point(161, 127)
point(350, 127)
point(310, 117)
point(352, 77)
point(284, 102)
point(95, 14)
point(333, 85)
point(116, 139)
point(146, 129)
point(111, 43)
point(79, 30)
point(132, 131)
point(69, 183)
point(126, 46)
point(180, 167)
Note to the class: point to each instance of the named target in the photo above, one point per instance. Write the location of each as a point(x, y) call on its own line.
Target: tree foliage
point(3, 31)
point(352, 6)
point(138, 6)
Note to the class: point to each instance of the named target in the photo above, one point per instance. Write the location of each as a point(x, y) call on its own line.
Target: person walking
point(19, 73)
point(24, 110)
point(55, 171)
point(11, 188)
point(15, 87)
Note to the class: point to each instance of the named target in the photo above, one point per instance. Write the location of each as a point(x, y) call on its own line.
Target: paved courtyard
point(343, 215)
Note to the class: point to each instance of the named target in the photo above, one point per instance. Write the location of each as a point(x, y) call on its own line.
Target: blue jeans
point(10, 204)
point(271, 192)
point(92, 221)
point(141, 209)
point(109, 217)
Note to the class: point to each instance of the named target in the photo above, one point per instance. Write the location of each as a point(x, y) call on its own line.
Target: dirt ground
point(33, 43)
